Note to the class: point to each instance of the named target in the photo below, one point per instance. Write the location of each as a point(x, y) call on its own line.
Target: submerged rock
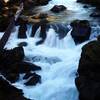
point(21, 44)
point(81, 30)
point(88, 79)
point(33, 80)
point(58, 8)
point(8, 92)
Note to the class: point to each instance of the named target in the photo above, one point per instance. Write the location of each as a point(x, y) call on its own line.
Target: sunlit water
point(58, 59)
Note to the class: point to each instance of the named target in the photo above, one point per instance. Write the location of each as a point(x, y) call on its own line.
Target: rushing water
point(58, 58)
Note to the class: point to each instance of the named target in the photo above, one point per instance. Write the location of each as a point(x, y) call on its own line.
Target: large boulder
point(81, 30)
point(8, 92)
point(88, 79)
point(58, 8)
point(12, 64)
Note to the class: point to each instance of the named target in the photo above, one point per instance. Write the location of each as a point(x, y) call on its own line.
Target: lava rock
point(33, 80)
point(88, 79)
point(7, 91)
point(81, 30)
point(58, 8)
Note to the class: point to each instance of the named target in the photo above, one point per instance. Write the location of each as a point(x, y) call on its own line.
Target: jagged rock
point(33, 80)
point(58, 8)
point(88, 79)
point(81, 30)
point(8, 92)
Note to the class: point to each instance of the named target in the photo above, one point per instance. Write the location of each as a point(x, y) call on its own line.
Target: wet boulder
point(95, 14)
point(22, 31)
point(81, 30)
point(21, 44)
point(58, 8)
point(7, 91)
point(88, 79)
point(33, 80)
point(25, 67)
point(28, 75)
point(12, 64)
point(8, 57)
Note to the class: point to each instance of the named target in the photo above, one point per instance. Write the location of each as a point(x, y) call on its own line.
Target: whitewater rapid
point(59, 65)
point(58, 59)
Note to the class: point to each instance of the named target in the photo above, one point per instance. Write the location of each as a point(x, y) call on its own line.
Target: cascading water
point(58, 58)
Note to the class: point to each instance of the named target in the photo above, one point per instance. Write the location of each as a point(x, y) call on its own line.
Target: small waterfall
point(53, 40)
point(37, 34)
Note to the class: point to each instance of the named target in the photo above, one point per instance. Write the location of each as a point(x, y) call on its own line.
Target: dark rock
point(60, 29)
point(85, 6)
point(95, 14)
point(88, 80)
point(8, 57)
point(58, 8)
point(1, 5)
point(7, 91)
point(28, 75)
point(26, 67)
point(21, 44)
point(42, 23)
point(81, 30)
point(33, 80)
point(12, 64)
point(5, 24)
point(22, 31)
point(92, 2)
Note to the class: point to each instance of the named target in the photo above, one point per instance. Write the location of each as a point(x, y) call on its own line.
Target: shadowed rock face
point(92, 2)
point(8, 92)
point(12, 64)
point(88, 80)
point(81, 30)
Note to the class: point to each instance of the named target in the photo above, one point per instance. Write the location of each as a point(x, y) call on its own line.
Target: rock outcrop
point(81, 30)
point(12, 64)
point(9, 92)
point(88, 79)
